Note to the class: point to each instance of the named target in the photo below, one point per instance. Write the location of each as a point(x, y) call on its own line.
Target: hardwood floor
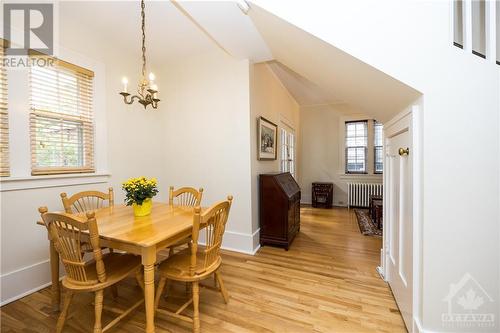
point(326, 282)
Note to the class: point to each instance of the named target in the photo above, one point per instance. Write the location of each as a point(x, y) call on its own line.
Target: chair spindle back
point(85, 201)
point(213, 220)
point(185, 196)
point(65, 231)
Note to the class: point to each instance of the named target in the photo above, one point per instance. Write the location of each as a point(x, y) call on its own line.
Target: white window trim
point(33, 182)
point(19, 137)
point(370, 157)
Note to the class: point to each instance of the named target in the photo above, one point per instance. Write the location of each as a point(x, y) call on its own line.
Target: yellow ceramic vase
point(144, 209)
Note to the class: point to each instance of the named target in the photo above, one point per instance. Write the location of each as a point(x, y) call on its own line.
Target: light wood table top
point(118, 223)
point(165, 221)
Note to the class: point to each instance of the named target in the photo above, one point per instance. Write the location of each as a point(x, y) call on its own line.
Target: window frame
point(375, 147)
point(288, 151)
point(4, 116)
point(85, 119)
point(346, 148)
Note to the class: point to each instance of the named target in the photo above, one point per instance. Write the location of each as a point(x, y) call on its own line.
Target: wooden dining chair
point(85, 201)
point(195, 264)
point(185, 196)
point(103, 271)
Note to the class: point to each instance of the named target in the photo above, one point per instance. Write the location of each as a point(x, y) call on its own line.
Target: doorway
point(401, 195)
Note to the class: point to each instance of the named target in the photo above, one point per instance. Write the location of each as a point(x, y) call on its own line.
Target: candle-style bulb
point(125, 82)
point(151, 76)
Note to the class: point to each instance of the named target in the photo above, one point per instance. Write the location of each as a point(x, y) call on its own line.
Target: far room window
point(287, 139)
point(479, 28)
point(458, 23)
point(61, 119)
point(378, 147)
point(498, 33)
point(356, 146)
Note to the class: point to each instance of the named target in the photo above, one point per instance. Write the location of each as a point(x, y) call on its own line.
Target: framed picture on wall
point(268, 139)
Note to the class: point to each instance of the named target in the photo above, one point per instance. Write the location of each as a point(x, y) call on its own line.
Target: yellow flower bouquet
point(138, 194)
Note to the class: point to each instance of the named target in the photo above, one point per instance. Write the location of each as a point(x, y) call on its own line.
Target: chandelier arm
point(131, 99)
point(125, 95)
point(134, 97)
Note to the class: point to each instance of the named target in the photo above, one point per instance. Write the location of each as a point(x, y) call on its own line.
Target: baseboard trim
point(417, 327)
point(253, 252)
point(238, 242)
point(309, 203)
point(25, 281)
point(26, 293)
point(380, 272)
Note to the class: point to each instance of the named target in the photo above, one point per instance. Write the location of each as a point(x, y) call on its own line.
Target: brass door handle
point(403, 151)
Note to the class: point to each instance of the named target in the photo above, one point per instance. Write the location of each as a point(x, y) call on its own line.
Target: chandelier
point(147, 91)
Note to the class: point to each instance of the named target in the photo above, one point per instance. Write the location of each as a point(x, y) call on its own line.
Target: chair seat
point(118, 266)
point(176, 267)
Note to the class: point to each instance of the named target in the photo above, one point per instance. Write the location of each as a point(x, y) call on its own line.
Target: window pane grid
point(356, 145)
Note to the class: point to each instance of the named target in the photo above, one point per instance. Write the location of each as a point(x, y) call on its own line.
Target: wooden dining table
point(144, 236)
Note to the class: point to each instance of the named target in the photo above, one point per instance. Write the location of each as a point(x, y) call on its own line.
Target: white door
point(398, 225)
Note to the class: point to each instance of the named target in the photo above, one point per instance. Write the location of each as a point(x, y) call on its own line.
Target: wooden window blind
point(4, 118)
point(61, 119)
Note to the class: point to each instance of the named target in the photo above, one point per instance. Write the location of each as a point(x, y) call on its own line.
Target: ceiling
point(315, 72)
point(342, 76)
point(305, 92)
point(170, 35)
point(174, 29)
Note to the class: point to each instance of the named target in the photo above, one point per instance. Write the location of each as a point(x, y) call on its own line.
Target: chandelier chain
point(143, 27)
point(147, 91)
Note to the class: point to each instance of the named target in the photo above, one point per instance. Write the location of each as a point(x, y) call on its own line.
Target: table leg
point(54, 270)
point(148, 261)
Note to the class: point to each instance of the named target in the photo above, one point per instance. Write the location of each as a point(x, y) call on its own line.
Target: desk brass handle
point(403, 151)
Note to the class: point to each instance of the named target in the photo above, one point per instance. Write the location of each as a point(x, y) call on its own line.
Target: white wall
point(412, 41)
point(271, 100)
point(205, 135)
point(322, 143)
point(132, 132)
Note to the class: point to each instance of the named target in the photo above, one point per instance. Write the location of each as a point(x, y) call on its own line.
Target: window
point(356, 146)
point(479, 28)
point(287, 151)
point(61, 119)
point(4, 119)
point(378, 147)
point(497, 24)
point(458, 25)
